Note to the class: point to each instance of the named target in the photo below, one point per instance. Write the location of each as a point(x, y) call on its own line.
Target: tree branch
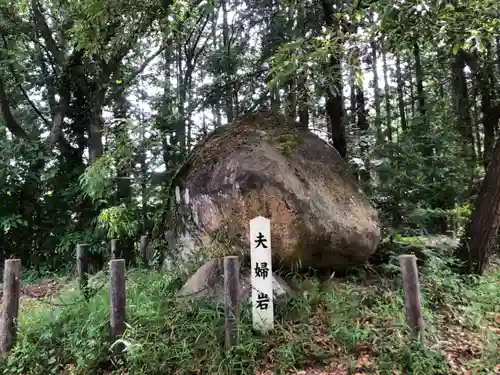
point(109, 68)
point(23, 91)
point(135, 73)
point(46, 33)
point(189, 52)
point(218, 88)
point(7, 116)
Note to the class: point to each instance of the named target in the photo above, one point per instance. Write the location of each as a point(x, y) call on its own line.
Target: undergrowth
point(344, 319)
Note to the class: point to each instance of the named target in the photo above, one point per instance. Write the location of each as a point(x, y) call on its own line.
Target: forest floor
point(342, 326)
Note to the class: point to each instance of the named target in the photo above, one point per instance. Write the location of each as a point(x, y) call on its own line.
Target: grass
point(358, 321)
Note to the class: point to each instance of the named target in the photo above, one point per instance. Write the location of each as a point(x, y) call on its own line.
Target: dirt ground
point(38, 292)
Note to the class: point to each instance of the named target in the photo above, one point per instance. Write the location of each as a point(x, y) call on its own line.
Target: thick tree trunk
point(481, 232)
point(335, 111)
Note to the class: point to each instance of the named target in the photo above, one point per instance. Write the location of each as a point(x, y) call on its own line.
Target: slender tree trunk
point(362, 125)
point(476, 121)
point(376, 89)
point(427, 149)
point(124, 172)
point(462, 108)
point(216, 107)
point(169, 157)
point(352, 97)
point(303, 102)
point(388, 117)
point(228, 67)
point(291, 105)
point(291, 100)
point(334, 100)
point(409, 73)
point(401, 100)
point(180, 133)
point(490, 120)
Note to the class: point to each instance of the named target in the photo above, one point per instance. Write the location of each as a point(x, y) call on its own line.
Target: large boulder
point(267, 165)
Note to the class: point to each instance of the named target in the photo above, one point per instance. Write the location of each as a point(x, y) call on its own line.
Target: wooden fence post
point(231, 300)
point(117, 298)
point(82, 266)
point(144, 251)
point(115, 249)
point(11, 293)
point(411, 288)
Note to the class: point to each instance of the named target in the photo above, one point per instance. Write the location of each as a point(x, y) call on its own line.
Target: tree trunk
point(217, 105)
point(401, 100)
point(291, 102)
point(427, 149)
point(476, 121)
point(228, 64)
point(481, 232)
point(180, 130)
point(124, 172)
point(303, 102)
point(352, 97)
point(388, 117)
point(462, 108)
point(362, 125)
point(376, 89)
point(166, 125)
point(490, 121)
point(334, 101)
point(497, 49)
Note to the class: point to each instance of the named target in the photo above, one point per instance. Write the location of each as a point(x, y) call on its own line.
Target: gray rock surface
point(208, 282)
point(267, 165)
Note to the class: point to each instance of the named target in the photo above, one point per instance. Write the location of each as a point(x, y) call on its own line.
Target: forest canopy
point(100, 103)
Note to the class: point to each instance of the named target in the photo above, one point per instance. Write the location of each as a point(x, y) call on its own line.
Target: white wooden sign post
point(262, 280)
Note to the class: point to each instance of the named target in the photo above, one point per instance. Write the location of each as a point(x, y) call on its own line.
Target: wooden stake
point(11, 292)
point(231, 300)
point(82, 265)
point(411, 288)
point(117, 298)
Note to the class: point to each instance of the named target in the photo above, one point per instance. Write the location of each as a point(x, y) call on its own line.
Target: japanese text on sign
point(262, 280)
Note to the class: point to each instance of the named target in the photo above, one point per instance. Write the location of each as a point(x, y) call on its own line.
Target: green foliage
point(96, 181)
point(423, 190)
point(167, 335)
point(118, 221)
